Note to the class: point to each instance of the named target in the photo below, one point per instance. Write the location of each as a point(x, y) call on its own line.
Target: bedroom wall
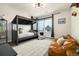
point(9, 13)
point(75, 26)
point(62, 29)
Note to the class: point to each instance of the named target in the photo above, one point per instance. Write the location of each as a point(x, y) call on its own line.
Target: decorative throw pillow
point(66, 43)
point(69, 43)
point(60, 41)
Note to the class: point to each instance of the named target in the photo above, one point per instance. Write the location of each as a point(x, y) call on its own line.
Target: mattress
point(27, 34)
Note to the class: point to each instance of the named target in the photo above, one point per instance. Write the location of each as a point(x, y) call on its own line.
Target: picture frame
point(62, 21)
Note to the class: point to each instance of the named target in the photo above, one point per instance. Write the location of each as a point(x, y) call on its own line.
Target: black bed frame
point(24, 21)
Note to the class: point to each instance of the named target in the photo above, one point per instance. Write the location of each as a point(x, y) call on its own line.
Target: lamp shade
point(74, 7)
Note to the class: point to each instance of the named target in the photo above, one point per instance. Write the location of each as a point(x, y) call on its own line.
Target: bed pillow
point(60, 41)
point(20, 30)
point(25, 30)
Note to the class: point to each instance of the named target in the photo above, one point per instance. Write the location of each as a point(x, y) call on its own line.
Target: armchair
point(68, 48)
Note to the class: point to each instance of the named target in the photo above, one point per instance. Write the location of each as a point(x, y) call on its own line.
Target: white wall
point(62, 29)
point(9, 13)
point(75, 26)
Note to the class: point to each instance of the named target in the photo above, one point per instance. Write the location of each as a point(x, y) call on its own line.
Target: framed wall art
point(62, 21)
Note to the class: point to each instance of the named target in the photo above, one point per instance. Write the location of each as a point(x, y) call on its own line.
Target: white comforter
point(25, 34)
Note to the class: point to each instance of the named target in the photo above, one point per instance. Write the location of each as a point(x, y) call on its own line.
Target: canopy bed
point(22, 29)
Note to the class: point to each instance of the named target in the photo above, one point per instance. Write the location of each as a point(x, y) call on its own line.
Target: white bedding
point(26, 34)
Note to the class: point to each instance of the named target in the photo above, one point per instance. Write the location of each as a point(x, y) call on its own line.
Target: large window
point(48, 24)
point(35, 26)
point(41, 25)
point(45, 25)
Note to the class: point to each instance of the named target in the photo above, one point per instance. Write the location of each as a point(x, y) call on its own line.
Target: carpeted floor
point(33, 47)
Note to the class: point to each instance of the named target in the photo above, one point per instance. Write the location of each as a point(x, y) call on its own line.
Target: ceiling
point(47, 8)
